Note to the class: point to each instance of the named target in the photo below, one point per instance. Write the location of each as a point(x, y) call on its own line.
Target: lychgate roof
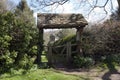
point(50, 20)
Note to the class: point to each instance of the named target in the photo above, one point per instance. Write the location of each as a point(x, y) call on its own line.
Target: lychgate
point(59, 21)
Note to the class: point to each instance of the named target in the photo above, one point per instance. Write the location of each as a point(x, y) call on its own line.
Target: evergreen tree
point(24, 35)
point(23, 11)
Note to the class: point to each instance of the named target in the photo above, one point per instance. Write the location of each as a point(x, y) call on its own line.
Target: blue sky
point(74, 7)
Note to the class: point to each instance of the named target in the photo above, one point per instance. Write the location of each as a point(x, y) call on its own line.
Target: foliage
point(66, 39)
point(25, 36)
point(65, 32)
point(110, 37)
point(102, 39)
point(23, 40)
point(113, 58)
point(88, 41)
point(83, 62)
point(18, 41)
point(6, 56)
point(62, 41)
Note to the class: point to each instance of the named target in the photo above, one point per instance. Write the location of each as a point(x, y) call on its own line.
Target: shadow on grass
point(112, 69)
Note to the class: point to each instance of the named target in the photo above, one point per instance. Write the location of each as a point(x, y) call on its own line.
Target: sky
point(73, 6)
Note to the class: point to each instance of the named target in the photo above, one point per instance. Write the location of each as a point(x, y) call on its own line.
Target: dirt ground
point(94, 73)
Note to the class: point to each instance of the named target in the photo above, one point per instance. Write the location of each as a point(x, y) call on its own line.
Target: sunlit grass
point(43, 74)
point(43, 58)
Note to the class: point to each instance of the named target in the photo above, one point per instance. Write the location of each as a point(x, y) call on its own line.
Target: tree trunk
point(118, 12)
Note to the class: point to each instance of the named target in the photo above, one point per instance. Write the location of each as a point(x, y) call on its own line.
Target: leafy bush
point(7, 57)
point(18, 42)
point(112, 58)
point(85, 62)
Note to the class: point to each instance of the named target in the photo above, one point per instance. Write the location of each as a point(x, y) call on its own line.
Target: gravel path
point(93, 74)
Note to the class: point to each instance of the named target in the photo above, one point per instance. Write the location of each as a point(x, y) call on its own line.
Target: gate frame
point(66, 46)
point(79, 24)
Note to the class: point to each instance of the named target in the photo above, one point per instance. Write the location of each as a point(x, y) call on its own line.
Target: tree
point(92, 4)
point(24, 12)
point(24, 35)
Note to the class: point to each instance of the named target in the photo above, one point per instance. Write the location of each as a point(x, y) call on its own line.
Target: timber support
point(40, 47)
point(79, 40)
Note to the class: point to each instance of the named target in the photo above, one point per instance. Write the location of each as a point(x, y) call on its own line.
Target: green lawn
point(43, 74)
point(43, 58)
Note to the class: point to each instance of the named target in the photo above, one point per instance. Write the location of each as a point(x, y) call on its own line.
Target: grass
point(43, 74)
point(43, 58)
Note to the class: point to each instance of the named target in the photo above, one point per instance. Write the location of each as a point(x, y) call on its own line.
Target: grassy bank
point(42, 74)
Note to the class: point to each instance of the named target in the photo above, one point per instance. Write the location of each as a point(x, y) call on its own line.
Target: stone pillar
point(78, 40)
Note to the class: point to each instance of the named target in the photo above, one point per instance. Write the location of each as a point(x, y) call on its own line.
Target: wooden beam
point(68, 54)
point(78, 40)
point(60, 26)
point(50, 58)
point(40, 47)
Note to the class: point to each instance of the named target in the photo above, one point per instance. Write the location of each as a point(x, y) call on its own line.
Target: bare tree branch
point(53, 2)
point(93, 4)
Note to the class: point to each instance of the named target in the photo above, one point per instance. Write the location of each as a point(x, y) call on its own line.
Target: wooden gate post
point(78, 40)
point(68, 55)
point(49, 55)
point(40, 47)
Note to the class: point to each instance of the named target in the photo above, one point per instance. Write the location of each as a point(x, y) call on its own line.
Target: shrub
point(7, 57)
point(18, 42)
point(112, 58)
point(83, 62)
